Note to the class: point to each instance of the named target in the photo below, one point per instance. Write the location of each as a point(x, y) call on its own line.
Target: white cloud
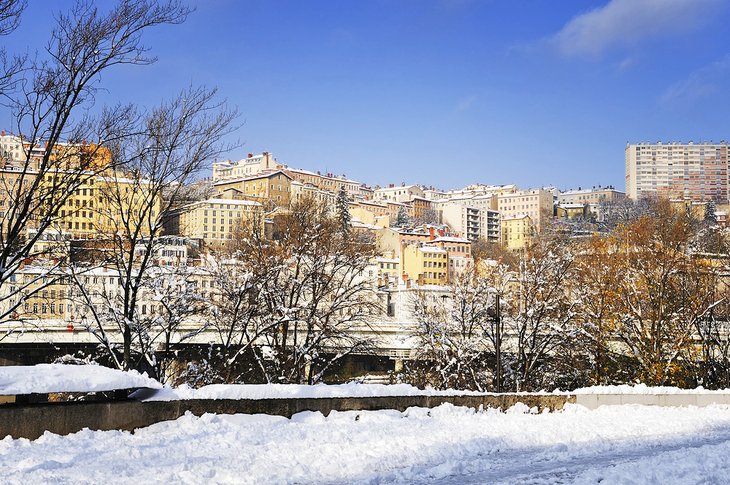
point(702, 83)
point(465, 103)
point(626, 64)
point(627, 22)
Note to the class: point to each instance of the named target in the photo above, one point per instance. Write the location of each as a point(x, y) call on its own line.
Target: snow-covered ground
point(46, 378)
point(613, 444)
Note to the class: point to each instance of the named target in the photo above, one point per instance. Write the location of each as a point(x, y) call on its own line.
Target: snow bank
point(46, 378)
point(642, 389)
point(447, 445)
point(283, 391)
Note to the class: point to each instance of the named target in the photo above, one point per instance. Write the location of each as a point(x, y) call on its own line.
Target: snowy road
point(614, 444)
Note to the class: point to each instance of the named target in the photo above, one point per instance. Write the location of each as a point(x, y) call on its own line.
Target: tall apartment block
point(683, 170)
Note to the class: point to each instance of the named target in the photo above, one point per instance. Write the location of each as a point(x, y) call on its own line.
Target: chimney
point(431, 233)
point(3, 133)
point(250, 155)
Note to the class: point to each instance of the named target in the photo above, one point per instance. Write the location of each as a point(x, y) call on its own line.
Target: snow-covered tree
point(539, 311)
point(402, 220)
point(455, 329)
point(289, 309)
point(343, 210)
point(173, 143)
point(710, 217)
point(663, 291)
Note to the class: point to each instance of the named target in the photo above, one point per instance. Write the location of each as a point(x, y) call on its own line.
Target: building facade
point(697, 172)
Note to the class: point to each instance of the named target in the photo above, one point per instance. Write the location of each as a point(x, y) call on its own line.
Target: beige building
point(215, 221)
point(301, 191)
point(331, 183)
point(402, 193)
point(387, 271)
point(274, 187)
point(593, 196)
point(691, 171)
point(535, 203)
point(11, 149)
point(246, 167)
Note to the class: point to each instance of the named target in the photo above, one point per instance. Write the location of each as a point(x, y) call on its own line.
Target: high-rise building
point(677, 170)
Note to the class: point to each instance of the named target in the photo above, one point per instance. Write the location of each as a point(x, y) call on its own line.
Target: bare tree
point(10, 13)
point(64, 146)
point(175, 142)
point(318, 299)
point(539, 310)
point(598, 276)
point(664, 293)
point(455, 333)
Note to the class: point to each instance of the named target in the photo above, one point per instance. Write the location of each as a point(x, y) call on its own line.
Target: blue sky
point(445, 92)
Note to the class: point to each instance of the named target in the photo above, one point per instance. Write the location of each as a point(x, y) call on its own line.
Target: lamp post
point(498, 343)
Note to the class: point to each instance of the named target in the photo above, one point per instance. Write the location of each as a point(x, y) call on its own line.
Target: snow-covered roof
point(432, 249)
point(261, 175)
point(517, 216)
point(451, 239)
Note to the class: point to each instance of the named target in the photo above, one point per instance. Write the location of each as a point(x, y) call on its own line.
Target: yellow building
point(516, 231)
point(215, 221)
point(572, 211)
point(272, 186)
point(426, 265)
point(104, 204)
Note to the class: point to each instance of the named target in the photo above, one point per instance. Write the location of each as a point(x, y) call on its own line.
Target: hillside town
point(464, 260)
point(135, 267)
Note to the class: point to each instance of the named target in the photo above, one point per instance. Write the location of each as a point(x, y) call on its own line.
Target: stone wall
point(32, 420)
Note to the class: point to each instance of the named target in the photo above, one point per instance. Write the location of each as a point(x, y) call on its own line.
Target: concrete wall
point(593, 401)
point(32, 420)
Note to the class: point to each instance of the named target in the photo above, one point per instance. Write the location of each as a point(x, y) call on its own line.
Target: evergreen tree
point(710, 216)
point(401, 219)
point(343, 210)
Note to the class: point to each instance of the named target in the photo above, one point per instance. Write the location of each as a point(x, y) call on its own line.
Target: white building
point(246, 167)
point(402, 193)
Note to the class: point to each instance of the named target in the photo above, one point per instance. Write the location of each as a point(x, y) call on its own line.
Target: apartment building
point(426, 265)
point(387, 271)
point(517, 231)
point(458, 251)
point(537, 204)
point(331, 183)
point(272, 186)
point(300, 191)
point(246, 167)
point(693, 171)
point(471, 218)
point(215, 221)
point(592, 196)
point(11, 149)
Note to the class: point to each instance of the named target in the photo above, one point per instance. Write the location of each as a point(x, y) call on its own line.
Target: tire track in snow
point(546, 466)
